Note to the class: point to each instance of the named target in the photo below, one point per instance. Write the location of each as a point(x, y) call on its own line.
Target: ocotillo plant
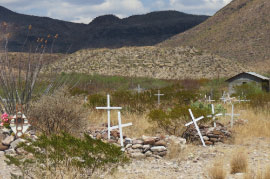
point(17, 82)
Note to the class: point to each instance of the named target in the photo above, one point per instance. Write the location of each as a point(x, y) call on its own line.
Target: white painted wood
point(194, 121)
point(209, 99)
point(120, 126)
point(232, 114)
point(213, 115)
point(139, 89)
point(158, 95)
point(25, 125)
point(109, 108)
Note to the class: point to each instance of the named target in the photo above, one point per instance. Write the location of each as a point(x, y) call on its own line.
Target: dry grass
point(239, 162)
point(217, 171)
point(258, 125)
point(140, 125)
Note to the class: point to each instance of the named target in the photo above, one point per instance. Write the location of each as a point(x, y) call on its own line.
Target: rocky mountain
point(104, 31)
point(239, 31)
point(154, 62)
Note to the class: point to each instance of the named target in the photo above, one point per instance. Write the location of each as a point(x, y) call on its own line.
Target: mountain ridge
point(106, 31)
point(239, 31)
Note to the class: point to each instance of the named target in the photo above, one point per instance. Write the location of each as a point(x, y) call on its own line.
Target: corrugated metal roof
point(257, 75)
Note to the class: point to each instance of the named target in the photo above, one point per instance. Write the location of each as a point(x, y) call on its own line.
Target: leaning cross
point(232, 114)
point(194, 121)
point(120, 126)
point(213, 115)
point(109, 108)
point(158, 95)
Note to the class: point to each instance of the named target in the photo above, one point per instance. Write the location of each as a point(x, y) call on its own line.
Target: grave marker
point(138, 89)
point(213, 115)
point(109, 108)
point(19, 123)
point(194, 121)
point(232, 114)
point(120, 126)
point(158, 95)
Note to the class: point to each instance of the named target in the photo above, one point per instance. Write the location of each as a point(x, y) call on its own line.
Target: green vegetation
point(64, 156)
point(173, 120)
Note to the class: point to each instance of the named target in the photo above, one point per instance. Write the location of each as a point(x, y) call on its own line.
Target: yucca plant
point(18, 80)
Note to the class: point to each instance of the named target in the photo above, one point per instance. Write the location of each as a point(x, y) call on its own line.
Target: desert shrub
point(77, 91)
point(207, 107)
point(64, 156)
point(57, 112)
point(172, 121)
point(217, 171)
point(239, 162)
point(248, 89)
point(186, 96)
point(260, 101)
point(95, 100)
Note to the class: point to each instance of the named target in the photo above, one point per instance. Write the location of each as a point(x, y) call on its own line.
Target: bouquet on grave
point(5, 120)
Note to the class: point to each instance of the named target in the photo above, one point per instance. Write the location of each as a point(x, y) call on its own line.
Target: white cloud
point(86, 10)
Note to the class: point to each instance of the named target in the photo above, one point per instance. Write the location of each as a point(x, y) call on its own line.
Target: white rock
point(138, 155)
point(137, 146)
point(128, 146)
point(8, 140)
point(14, 144)
point(158, 148)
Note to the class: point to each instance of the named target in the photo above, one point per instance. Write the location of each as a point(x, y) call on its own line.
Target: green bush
point(172, 121)
point(95, 100)
point(64, 156)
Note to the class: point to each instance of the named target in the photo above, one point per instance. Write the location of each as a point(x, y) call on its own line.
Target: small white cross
point(223, 98)
point(120, 126)
point(213, 115)
point(232, 114)
point(139, 89)
point(109, 108)
point(158, 95)
point(194, 121)
point(209, 99)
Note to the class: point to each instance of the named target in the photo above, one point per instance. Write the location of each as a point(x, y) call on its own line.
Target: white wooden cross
point(194, 121)
point(209, 99)
point(232, 114)
point(120, 126)
point(223, 97)
point(139, 89)
point(213, 115)
point(109, 108)
point(158, 95)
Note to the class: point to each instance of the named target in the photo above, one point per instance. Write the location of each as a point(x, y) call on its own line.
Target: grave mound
point(211, 135)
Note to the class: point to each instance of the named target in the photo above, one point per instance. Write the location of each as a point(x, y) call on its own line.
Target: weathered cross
point(232, 114)
point(109, 108)
point(213, 115)
point(194, 121)
point(223, 97)
point(209, 99)
point(139, 89)
point(120, 126)
point(158, 95)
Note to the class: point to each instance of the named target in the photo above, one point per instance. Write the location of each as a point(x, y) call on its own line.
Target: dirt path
point(196, 162)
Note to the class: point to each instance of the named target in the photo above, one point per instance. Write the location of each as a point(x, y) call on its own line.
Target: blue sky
point(84, 11)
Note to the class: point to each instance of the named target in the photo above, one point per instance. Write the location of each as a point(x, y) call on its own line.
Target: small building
point(248, 77)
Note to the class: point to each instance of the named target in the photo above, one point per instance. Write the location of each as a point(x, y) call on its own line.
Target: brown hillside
point(241, 31)
point(154, 62)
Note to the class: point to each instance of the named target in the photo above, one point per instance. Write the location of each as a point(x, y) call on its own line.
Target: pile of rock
point(9, 143)
point(140, 147)
point(210, 134)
